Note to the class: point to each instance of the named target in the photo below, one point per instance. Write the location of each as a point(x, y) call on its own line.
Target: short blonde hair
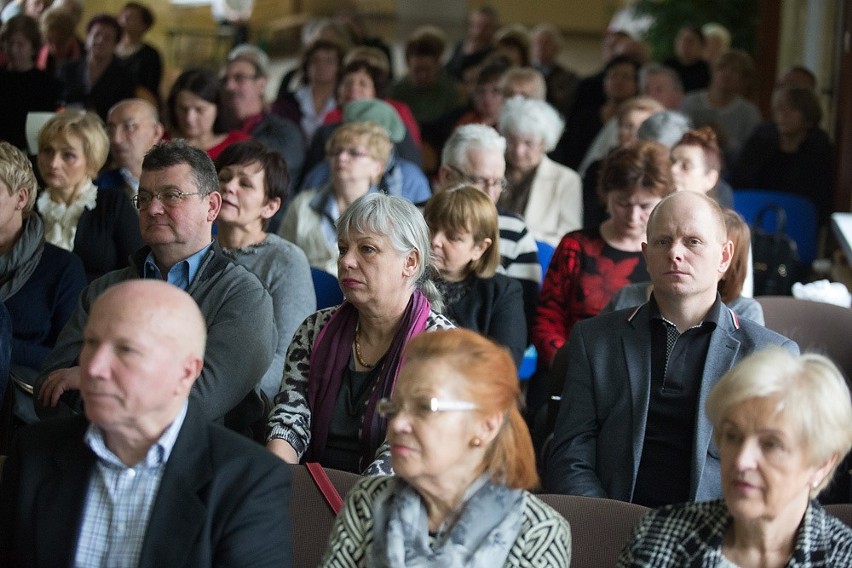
point(87, 127)
point(810, 392)
point(466, 208)
point(378, 141)
point(16, 172)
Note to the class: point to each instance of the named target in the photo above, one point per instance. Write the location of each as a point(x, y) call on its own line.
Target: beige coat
point(555, 204)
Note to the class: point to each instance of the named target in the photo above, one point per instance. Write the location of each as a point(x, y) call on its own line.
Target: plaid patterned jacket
point(690, 535)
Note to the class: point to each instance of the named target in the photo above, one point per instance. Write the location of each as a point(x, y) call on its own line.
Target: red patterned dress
point(584, 274)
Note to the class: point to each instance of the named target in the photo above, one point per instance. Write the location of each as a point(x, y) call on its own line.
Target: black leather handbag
point(775, 255)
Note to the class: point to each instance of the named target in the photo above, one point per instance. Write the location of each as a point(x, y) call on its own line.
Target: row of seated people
point(475, 156)
point(791, 154)
point(800, 150)
point(462, 458)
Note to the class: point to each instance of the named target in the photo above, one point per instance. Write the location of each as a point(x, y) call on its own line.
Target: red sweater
point(584, 274)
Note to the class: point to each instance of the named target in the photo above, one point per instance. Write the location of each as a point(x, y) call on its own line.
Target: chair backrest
point(802, 224)
point(815, 326)
point(326, 288)
point(821, 328)
point(842, 511)
point(312, 516)
point(545, 253)
point(599, 527)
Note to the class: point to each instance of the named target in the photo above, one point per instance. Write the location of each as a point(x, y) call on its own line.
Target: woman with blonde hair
point(465, 240)
point(782, 424)
point(99, 225)
point(464, 463)
point(357, 153)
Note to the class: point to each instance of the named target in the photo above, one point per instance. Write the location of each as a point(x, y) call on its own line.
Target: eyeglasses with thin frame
point(481, 182)
point(171, 198)
point(422, 407)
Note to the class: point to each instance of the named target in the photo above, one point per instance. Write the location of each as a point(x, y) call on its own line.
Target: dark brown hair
point(640, 164)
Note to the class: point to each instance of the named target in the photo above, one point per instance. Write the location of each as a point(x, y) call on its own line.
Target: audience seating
point(530, 360)
point(312, 516)
point(802, 225)
point(815, 326)
point(842, 511)
point(327, 289)
point(599, 527)
point(545, 253)
point(821, 328)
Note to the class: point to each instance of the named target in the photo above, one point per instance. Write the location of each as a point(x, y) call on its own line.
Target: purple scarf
point(329, 358)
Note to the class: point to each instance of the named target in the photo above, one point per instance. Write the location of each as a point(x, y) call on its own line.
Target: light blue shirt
point(120, 499)
point(181, 274)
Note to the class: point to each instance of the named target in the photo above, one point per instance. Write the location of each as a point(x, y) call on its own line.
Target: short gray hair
point(405, 227)
point(666, 127)
point(470, 136)
point(810, 392)
point(533, 118)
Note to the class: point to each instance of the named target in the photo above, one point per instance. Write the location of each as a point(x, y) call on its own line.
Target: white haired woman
point(782, 423)
point(342, 360)
point(547, 195)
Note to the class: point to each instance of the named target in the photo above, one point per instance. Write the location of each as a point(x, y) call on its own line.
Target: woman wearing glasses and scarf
point(342, 360)
point(464, 463)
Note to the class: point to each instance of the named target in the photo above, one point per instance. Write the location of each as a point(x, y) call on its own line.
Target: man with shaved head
point(134, 128)
point(143, 479)
point(631, 424)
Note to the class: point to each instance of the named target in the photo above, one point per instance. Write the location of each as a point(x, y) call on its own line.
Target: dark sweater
point(493, 307)
point(41, 308)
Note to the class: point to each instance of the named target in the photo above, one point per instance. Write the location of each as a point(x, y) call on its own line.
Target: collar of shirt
point(181, 274)
point(713, 314)
point(130, 179)
point(158, 454)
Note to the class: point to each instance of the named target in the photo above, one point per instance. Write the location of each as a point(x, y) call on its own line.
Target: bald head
point(161, 308)
point(143, 349)
point(134, 127)
point(688, 200)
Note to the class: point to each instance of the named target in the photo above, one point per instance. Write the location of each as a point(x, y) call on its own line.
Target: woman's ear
point(480, 248)
point(271, 208)
point(490, 426)
point(412, 261)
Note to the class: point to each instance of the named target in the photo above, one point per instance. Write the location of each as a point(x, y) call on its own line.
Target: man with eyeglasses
point(244, 79)
point(475, 154)
point(178, 200)
point(133, 128)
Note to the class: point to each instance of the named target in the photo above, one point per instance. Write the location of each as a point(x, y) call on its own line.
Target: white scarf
point(60, 220)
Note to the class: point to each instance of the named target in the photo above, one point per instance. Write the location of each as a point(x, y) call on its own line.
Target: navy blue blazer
point(600, 428)
point(223, 500)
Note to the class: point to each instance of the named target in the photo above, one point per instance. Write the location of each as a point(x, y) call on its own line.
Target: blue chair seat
point(802, 225)
point(327, 289)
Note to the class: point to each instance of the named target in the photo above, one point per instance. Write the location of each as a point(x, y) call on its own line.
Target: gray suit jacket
point(600, 428)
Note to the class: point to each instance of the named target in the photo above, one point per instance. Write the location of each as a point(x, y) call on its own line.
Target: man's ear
point(727, 256)
point(215, 204)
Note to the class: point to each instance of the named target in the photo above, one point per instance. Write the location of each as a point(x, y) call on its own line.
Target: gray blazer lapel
point(637, 359)
point(179, 514)
point(721, 356)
